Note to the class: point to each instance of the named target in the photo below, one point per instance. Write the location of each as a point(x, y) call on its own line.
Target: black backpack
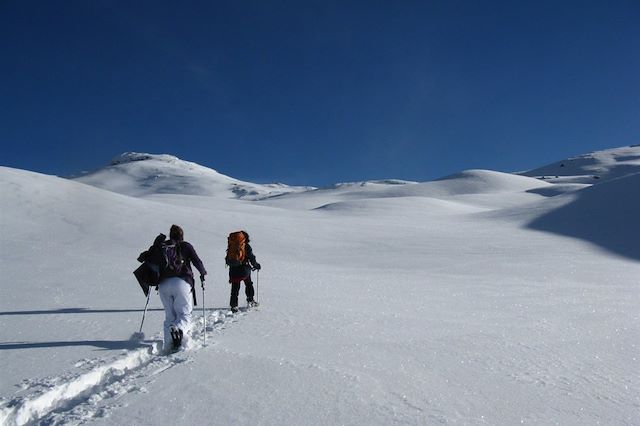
point(162, 260)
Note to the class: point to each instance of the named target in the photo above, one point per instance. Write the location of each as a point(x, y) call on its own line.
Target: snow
point(480, 298)
point(599, 165)
point(139, 174)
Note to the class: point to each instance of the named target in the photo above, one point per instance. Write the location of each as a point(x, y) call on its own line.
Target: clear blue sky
point(317, 92)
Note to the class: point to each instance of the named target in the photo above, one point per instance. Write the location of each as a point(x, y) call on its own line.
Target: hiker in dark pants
point(242, 272)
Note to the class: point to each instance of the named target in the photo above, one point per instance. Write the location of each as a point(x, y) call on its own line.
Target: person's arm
point(193, 257)
point(252, 258)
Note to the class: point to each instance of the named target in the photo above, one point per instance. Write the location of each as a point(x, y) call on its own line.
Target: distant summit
point(142, 174)
point(130, 157)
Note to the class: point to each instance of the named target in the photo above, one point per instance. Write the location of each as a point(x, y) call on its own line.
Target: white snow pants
point(176, 298)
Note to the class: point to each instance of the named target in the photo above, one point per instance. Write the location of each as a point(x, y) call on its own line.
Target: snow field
point(100, 383)
point(484, 298)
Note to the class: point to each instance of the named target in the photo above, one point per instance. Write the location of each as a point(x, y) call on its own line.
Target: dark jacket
point(153, 257)
point(240, 272)
point(189, 256)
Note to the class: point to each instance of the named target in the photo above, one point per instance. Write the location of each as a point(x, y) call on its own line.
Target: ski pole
point(258, 286)
point(145, 310)
point(204, 318)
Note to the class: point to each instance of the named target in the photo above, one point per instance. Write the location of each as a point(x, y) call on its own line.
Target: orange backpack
point(236, 249)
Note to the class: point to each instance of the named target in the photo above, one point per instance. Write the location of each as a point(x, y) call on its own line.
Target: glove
point(201, 277)
point(257, 267)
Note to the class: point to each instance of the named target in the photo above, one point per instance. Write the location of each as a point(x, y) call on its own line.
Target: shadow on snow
point(75, 311)
point(605, 214)
point(100, 344)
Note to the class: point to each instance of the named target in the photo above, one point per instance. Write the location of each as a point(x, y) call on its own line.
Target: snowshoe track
point(77, 397)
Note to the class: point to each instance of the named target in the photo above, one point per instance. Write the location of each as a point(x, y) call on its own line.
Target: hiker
point(176, 287)
point(241, 261)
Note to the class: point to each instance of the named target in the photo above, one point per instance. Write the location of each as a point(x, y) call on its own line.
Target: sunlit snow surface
point(480, 298)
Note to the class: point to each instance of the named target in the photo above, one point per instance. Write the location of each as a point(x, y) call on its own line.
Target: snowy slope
point(474, 187)
point(458, 301)
point(139, 174)
point(591, 168)
point(614, 227)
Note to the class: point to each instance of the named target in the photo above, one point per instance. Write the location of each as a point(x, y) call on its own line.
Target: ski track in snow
point(74, 398)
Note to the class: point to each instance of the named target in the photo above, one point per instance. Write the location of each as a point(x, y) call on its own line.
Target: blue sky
point(307, 92)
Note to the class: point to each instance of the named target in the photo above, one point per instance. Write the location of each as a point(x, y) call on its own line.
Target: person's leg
point(248, 289)
point(183, 305)
point(166, 297)
point(235, 290)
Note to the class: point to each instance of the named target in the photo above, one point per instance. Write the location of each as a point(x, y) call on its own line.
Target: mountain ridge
point(143, 174)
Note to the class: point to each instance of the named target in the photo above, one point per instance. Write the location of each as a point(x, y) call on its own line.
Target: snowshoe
point(252, 304)
point(233, 309)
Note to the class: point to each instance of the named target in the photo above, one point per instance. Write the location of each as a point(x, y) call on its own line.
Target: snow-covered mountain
point(593, 167)
point(479, 298)
point(471, 185)
point(139, 174)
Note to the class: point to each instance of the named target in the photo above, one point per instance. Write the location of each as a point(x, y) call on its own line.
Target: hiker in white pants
point(176, 288)
point(176, 298)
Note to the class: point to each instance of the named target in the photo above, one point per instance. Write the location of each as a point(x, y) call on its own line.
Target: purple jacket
point(189, 256)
